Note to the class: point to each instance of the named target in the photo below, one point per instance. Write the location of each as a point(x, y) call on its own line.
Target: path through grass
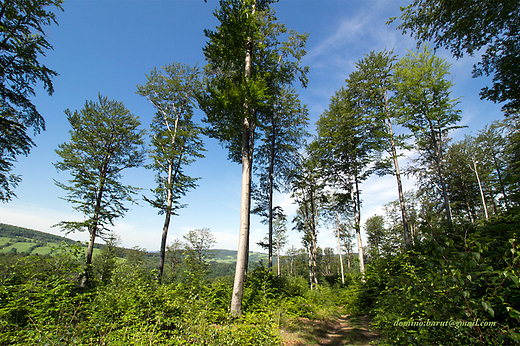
point(344, 330)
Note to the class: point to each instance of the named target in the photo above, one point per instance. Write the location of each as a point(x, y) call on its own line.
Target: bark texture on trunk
point(339, 250)
point(243, 240)
point(245, 198)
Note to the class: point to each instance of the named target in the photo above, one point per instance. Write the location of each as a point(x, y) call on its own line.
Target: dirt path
point(345, 330)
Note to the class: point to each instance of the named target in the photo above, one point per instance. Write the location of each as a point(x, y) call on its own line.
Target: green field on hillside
point(23, 240)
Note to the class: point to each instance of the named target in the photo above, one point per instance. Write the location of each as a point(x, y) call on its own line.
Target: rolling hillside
point(16, 239)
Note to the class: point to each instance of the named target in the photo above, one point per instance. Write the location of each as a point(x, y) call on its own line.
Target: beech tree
point(197, 249)
point(346, 150)
point(468, 26)
point(426, 108)
point(278, 154)
point(491, 141)
point(372, 88)
point(22, 42)
point(308, 194)
point(105, 140)
point(246, 66)
point(175, 139)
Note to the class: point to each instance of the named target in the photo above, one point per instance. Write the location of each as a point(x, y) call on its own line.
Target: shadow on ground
point(344, 330)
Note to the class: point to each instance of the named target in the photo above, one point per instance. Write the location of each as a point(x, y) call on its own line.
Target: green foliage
point(39, 299)
point(24, 41)
point(41, 302)
point(466, 27)
point(175, 139)
point(105, 140)
point(470, 276)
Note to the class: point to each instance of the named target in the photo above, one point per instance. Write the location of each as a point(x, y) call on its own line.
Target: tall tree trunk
point(245, 198)
point(393, 150)
point(314, 221)
point(278, 256)
point(311, 281)
point(437, 144)
point(339, 250)
point(245, 205)
point(271, 188)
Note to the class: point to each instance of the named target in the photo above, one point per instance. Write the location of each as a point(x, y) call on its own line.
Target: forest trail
point(344, 330)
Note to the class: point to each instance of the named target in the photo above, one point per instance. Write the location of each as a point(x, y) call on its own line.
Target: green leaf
point(513, 313)
point(487, 307)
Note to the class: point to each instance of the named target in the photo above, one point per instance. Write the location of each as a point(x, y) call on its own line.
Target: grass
point(22, 246)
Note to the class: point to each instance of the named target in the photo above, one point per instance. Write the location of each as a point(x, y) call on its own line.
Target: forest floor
point(343, 330)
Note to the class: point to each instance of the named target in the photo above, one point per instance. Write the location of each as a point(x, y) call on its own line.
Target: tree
point(246, 66)
point(393, 217)
point(376, 232)
point(197, 251)
point(280, 236)
point(336, 210)
point(512, 157)
point(174, 256)
point(425, 107)
point(492, 143)
point(104, 141)
point(308, 194)
point(277, 156)
point(106, 262)
point(22, 39)
point(345, 151)
point(371, 86)
point(467, 27)
point(175, 139)
point(291, 253)
point(461, 182)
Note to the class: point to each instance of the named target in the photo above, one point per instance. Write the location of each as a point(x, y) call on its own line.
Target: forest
point(440, 266)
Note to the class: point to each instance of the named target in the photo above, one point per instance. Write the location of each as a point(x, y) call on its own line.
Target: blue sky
point(107, 47)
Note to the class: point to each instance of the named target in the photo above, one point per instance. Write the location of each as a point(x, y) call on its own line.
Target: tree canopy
point(105, 139)
point(468, 27)
point(22, 40)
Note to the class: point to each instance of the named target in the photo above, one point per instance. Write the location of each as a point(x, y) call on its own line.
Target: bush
point(469, 277)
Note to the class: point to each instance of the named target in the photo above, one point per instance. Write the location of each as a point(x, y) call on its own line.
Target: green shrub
point(466, 278)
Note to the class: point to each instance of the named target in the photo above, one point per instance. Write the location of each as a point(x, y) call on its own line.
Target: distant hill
point(23, 240)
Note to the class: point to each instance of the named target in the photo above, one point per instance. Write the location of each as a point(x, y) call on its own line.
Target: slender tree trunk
point(466, 199)
point(245, 204)
point(402, 204)
point(348, 260)
point(393, 150)
point(166, 226)
point(314, 237)
point(278, 256)
point(358, 227)
point(310, 266)
point(93, 229)
point(481, 191)
point(499, 176)
point(339, 250)
point(271, 188)
point(437, 144)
